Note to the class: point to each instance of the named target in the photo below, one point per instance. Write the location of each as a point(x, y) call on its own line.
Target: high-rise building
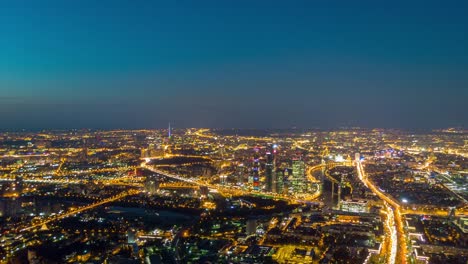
point(270, 173)
point(287, 177)
point(240, 172)
point(298, 181)
point(255, 170)
point(279, 176)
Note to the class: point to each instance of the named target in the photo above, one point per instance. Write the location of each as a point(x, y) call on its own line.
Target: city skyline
point(233, 132)
point(119, 64)
point(162, 195)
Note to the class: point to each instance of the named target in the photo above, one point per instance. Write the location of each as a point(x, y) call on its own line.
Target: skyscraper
point(240, 171)
point(279, 176)
point(270, 173)
point(298, 181)
point(255, 170)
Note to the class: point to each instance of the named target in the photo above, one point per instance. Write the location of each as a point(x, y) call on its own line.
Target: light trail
point(116, 182)
point(390, 222)
point(44, 181)
point(310, 172)
point(400, 237)
point(24, 156)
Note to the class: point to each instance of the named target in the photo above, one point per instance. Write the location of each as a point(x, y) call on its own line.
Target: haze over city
point(245, 64)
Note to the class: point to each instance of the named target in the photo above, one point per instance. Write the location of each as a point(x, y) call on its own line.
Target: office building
point(255, 170)
point(270, 180)
point(298, 178)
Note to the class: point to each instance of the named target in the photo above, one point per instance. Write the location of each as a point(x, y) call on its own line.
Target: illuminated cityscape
point(197, 195)
point(233, 132)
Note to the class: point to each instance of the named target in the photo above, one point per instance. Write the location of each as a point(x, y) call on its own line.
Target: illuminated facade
point(255, 171)
point(270, 173)
point(298, 181)
point(240, 172)
point(279, 176)
point(354, 206)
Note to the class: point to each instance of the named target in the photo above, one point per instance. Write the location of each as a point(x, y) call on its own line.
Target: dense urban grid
point(348, 195)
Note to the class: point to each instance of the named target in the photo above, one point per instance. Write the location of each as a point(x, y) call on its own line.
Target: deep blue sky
point(107, 64)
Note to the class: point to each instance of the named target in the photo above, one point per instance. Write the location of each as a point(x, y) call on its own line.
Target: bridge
point(325, 167)
point(79, 210)
point(46, 181)
point(117, 181)
point(178, 185)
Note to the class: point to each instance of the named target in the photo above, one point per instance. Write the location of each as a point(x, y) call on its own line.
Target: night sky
point(244, 64)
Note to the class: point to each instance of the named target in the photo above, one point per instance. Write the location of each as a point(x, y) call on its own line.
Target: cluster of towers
point(276, 179)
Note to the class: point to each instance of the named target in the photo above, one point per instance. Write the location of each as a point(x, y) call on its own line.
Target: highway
point(310, 172)
point(392, 234)
point(399, 238)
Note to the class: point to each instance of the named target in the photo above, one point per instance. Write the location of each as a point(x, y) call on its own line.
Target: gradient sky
point(247, 64)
